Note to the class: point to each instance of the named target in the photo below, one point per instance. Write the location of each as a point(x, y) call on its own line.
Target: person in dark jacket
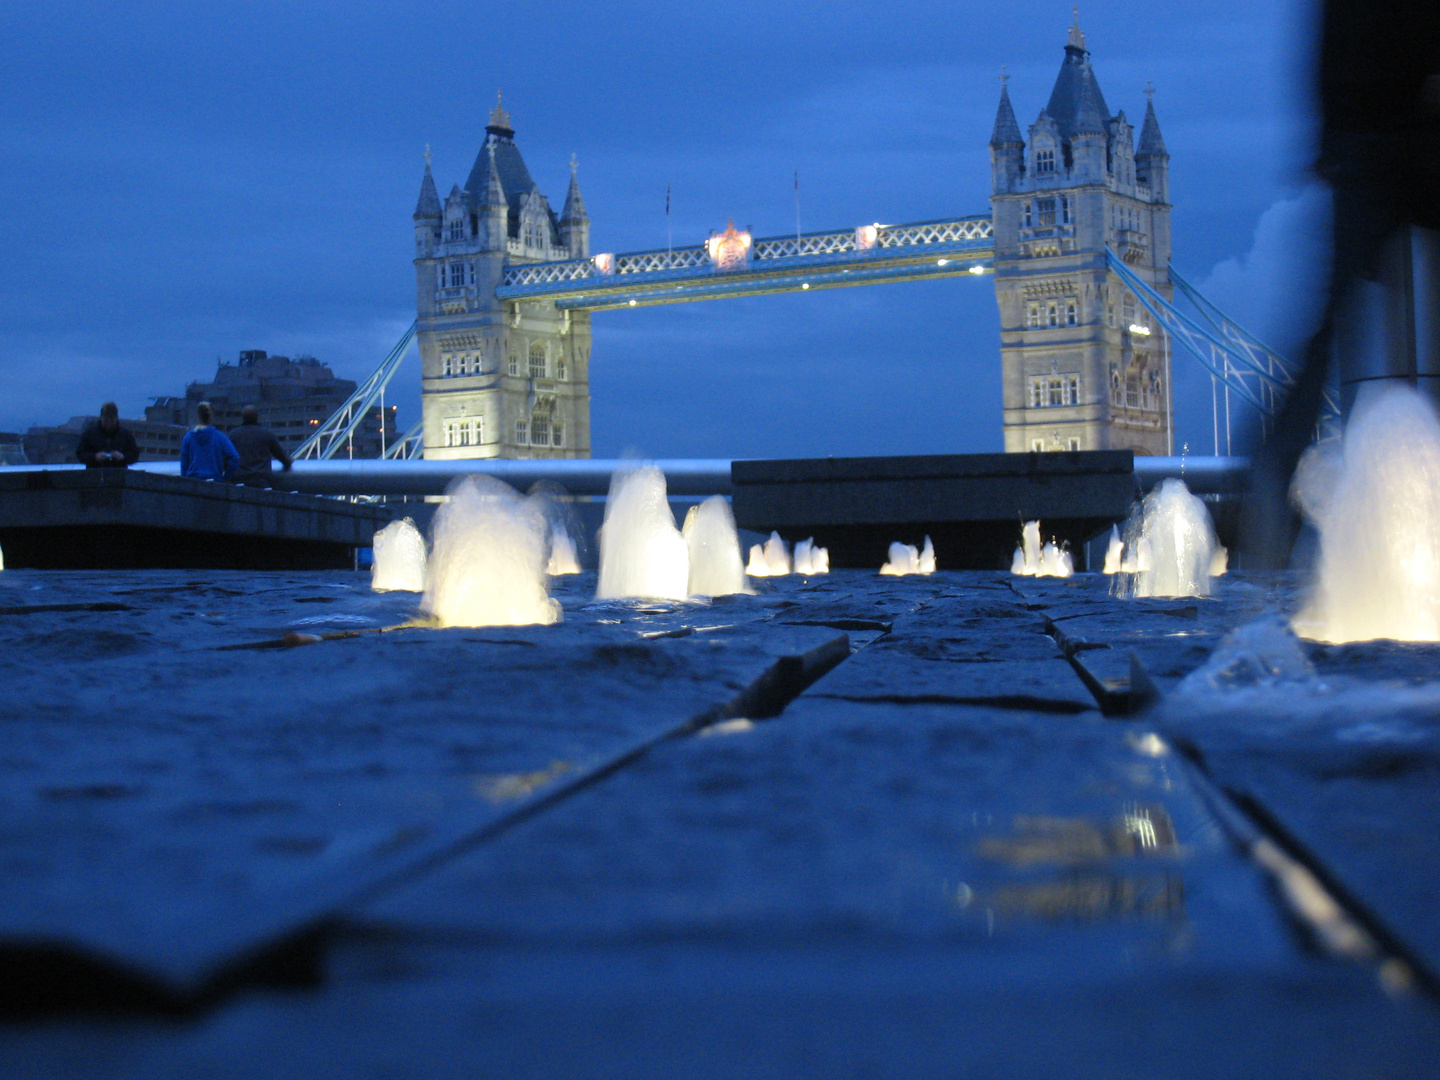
point(104, 444)
point(256, 446)
point(206, 452)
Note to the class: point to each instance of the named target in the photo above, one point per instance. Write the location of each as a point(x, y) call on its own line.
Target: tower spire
point(428, 205)
point(1077, 38)
point(1007, 128)
point(500, 119)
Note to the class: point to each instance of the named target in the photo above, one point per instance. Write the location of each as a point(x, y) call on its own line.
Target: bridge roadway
point(868, 255)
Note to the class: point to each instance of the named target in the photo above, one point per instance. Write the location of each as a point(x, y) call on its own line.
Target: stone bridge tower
point(1084, 366)
point(499, 379)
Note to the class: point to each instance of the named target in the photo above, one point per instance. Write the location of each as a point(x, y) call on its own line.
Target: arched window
point(537, 360)
point(561, 370)
point(540, 430)
point(456, 230)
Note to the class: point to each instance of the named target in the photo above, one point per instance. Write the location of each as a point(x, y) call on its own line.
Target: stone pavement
point(964, 825)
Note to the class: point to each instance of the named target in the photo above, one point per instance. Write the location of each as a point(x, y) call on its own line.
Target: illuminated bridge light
point(977, 269)
point(632, 303)
point(1136, 328)
point(942, 262)
point(806, 285)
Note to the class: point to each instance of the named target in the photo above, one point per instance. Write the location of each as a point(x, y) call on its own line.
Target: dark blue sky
point(183, 181)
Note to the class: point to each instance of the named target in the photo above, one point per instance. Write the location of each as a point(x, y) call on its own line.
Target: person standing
point(257, 447)
point(104, 444)
point(206, 452)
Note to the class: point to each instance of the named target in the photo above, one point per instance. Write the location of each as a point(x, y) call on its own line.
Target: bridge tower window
point(540, 430)
point(560, 367)
point(514, 368)
point(1045, 161)
point(522, 432)
point(537, 360)
point(1029, 217)
point(457, 275)
point(1032, 314)
point(456, 229)
point(1072, 313)
point(1045, 209)
point(1052, 313)
point(557, 434)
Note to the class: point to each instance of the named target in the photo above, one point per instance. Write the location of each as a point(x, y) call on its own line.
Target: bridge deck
point(864, 256)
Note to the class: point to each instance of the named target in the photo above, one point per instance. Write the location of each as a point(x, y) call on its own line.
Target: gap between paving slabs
point(203, 962)
point(1309, 866)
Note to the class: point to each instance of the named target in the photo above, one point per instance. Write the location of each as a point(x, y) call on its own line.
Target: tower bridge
point(1076, 241)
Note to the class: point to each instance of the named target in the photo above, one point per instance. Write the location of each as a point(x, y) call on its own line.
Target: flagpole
point(797, 211)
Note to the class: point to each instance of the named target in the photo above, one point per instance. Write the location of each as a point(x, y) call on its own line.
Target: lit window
point(537, 360)
point(1072, 313)
point(447, 366)
point(540, 430)
point(1045, 209)
point(1045, 161)
point(522, 432)
point(1032, 314)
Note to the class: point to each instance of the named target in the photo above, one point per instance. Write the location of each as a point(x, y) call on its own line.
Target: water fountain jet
point(907, 559)
point(487, 566)
point(714, 547)
point(1169, 545)
point(1374, 497)
point(771, 560)
point(642, 554)
point(399, 564)
point(1032, 559)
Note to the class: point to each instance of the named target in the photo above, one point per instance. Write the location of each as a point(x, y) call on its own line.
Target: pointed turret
point(494, 208)
point(574, 221)
point(1151, 142)
point(1152, 160)
point(1007, 128)
point(427, 213)
point(427, 208)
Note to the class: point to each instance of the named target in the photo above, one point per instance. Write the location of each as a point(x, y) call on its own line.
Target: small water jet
point(1032, 559)
point(811, 560)
point(1169, 545)
point(641, 551)
point(771, 560)
point(487, 566)
point(1374, 497)
point(1114, 552)
point(399, 558)
point(714, 547)
point(907, 559)
point(564, 559)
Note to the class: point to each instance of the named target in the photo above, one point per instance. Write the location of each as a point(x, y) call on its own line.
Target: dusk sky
point(185, 180)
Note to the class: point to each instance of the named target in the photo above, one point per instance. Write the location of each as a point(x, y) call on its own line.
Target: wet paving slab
point(938, 858)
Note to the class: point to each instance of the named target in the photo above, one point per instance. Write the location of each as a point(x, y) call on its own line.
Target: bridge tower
point(1083, 368)
point(499, 378)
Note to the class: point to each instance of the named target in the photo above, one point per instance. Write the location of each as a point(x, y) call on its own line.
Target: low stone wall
point(113, 518)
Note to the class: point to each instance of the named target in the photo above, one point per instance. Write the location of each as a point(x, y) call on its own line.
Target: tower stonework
point(1084, 366)
point(498, 379)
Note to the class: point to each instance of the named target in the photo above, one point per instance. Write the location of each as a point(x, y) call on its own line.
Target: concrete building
point(499, 379)
point(1084, 369)
point(294, 396)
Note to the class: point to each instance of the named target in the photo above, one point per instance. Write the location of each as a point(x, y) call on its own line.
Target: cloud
point(1276, 291)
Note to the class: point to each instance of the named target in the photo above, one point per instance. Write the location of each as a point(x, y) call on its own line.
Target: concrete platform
point(652, 841)
point(124, 518)
point(971, 505)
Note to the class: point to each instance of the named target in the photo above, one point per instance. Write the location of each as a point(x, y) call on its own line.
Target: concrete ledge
point(110, 518)
point(972, 505)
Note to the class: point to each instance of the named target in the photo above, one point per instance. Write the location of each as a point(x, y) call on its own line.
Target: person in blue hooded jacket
point(206, 452)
